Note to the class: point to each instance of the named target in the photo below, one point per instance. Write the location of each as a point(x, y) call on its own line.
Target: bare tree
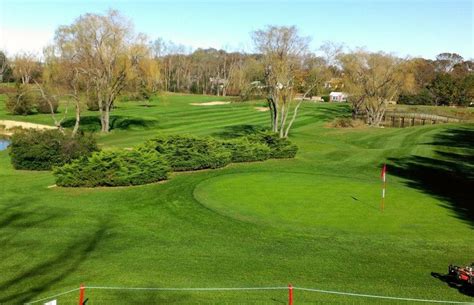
point(283, 49)
point(3, 65)
point(372, 80)
point(330, 51)
point(62, 81)
point(106, 51)
point(25, 67)
point(445, 62)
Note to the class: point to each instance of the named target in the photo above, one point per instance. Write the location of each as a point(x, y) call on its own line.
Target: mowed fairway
point(314, 221)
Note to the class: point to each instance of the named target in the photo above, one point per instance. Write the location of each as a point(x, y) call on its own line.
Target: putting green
point(325, 203)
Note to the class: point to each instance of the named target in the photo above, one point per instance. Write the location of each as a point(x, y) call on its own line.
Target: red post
point(81, 294)
point(290, 294)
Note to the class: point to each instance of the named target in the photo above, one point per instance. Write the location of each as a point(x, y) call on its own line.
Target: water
point(3, 144)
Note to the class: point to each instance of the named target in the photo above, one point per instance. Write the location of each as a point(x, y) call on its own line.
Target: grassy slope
point(258, 224)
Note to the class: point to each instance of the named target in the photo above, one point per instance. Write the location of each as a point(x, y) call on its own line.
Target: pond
point(4, 144)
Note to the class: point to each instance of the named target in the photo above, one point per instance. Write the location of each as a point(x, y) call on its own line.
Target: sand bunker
point(262, 109)
point(7, 126)
point(210, 103)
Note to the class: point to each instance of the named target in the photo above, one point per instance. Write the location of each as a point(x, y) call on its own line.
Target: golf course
point(314, 221)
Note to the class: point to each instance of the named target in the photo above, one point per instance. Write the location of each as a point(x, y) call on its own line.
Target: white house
point(337, 97)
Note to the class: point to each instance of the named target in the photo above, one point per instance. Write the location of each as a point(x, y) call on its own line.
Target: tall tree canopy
point(106, 51)
point(372, 79)
point(283, 51)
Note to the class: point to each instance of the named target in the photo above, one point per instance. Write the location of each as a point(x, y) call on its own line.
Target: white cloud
point(15, 40)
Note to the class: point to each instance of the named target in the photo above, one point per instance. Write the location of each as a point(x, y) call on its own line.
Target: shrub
point(243, 150)
point(21, 102)
point(279, 147)
point(92, 103)
point(42, 106)
point(40, 150)
point(424, 97)
point(113, 168)
point(185, 153)
point(346, 123)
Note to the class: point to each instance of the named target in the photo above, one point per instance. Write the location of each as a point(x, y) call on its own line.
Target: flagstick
point(383, 196)
point(384, 179)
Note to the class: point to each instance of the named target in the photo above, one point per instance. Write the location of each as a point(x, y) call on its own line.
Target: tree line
point(99, 58)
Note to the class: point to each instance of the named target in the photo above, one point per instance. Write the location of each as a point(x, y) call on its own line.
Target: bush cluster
point(185, 153)
point(113, 168)
point(41, 150)
point(24, 101)
point(21, 102)
point(151, 161)
point(243, 150)
point(424, 97)
point(280, 148)
point(92, 102)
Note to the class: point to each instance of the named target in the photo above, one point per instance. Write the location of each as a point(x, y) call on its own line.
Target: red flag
point(384, 170)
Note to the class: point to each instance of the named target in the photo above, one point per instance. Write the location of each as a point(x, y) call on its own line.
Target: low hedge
point(113, 168)
point(41, 150)
point(185, 153)
point(153, 160)
point(243, 150)
point(280, 148)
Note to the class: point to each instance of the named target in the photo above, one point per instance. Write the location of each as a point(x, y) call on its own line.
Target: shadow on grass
point(15, 219)
point(92, 123)
point(449, 175)
point(367, 205)
point(326, 113)
point(34, 279)
point(236, 131)
point(446, 278)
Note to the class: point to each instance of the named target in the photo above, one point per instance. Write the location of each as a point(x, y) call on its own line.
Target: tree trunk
point(295, 113)
point(276, 114)
point(78, 119)
point(270, 106)
point(284, 115)
point(105, 120)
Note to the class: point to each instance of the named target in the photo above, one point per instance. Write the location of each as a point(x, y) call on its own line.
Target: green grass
point(313, 221)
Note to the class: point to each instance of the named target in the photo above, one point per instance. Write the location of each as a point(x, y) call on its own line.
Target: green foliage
point(443, 89)
point(424, 97)
point(141, 93)
point(466, 90)
point(325, 98)
point(43, 106)
point(244, 150)
point(92, 102)
point(279, 147)
point(185, 153)
point(41, 150)
point(22, 101)
point(113, 168)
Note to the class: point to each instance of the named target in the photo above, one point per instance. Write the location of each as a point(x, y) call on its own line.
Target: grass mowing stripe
point(311, 227)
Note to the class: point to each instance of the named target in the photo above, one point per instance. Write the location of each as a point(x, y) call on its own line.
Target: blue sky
point(415, 28)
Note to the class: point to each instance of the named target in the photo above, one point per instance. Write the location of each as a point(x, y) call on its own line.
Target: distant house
point(337, 97)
